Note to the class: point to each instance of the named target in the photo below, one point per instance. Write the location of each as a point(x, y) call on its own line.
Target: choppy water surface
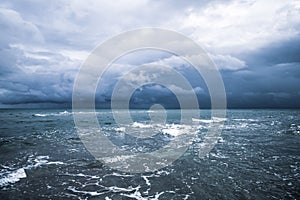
point(257, 157)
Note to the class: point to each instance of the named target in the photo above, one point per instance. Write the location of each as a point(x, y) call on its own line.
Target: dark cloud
point(271, 78)
point(42, 45)
point(276, 86)
point(286, 51)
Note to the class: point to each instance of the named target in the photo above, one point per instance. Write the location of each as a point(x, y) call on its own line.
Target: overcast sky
point(254, 44)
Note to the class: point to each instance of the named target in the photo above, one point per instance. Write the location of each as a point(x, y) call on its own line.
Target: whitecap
point(176, 129)
point(218, 155)
point(218, 119)
point(64, 113)
point(120, 129)
point(12, 177)
point(41, 160)
point(52, 114)
point(40, 115)
point(116, 158)
point(141, 125)
point(150, 111)
point(213, 119)
point(202, 120)
point(244, 119)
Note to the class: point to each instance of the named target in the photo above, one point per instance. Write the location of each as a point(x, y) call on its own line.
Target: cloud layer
point(254, 44)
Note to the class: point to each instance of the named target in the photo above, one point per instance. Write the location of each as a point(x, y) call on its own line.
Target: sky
point(254, 44)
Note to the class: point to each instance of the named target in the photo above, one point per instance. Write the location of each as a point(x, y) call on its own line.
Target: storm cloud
point(254, 44)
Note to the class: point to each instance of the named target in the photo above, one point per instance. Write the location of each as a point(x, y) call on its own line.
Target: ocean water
point(257, 156)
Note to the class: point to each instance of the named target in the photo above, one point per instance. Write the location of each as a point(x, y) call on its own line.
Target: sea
point(256, 156)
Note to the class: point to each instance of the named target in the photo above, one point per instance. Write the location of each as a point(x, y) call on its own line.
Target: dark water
point(257, 157)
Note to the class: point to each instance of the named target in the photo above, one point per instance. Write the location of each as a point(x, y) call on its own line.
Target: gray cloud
point(275, 86)
point(255, 44)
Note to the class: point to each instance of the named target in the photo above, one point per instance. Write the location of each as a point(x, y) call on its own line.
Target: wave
point(178, 129)
point(167, 129)
point(244, 119)
point(52, 114)
point(213, 119)
point(141, 125)
point(12, 177)
point(40, 115)
point(293, 129)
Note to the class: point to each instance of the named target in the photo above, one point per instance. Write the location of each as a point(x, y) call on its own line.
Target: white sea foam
point(116, 158)
point(12, 177)
point(55, 163)
point(150, 111)
point(213, 119)
point(91, 193)
point(168, 129)
point(120, 189)
point(84, 175)
point(202, 120)
point(146, 180)
point(41, 160)
point(243, 119)
point(137, 195)
point(120, 129)
point(64, 113)
point(52, 114)
point(141, 125)
point(218, 119)
point(130, 191)
point(40, 115)
point(176, 129)
point(221, 140)
point(118, 175)
point(218, 155)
